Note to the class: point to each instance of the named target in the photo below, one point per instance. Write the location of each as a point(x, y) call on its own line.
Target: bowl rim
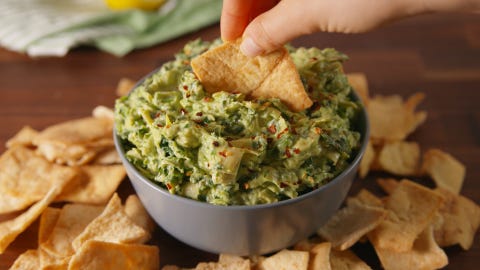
point(363, 116)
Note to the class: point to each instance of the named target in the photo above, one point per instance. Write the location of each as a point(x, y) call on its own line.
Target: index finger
point(235, 18)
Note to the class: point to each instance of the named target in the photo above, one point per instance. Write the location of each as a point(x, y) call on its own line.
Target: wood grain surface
point(435, 54)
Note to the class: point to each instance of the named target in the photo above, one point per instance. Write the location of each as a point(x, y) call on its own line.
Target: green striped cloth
point(53, 27)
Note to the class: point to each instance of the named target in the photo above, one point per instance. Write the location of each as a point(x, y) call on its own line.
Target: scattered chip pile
point(73, 162)
point(409, 227)
point(81, 236)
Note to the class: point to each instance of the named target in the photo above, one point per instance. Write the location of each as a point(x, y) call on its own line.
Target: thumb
point(270, 30)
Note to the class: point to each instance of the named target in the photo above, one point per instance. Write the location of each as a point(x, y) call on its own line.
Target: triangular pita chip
point(28, 260)
point(350, 223)
point(424, 255)
point(112, 225)
point(26, 177)
point(104, 255)
point(411, 209)
point(446, 171)
point(226, 68)
point(24, 137)
point(10, 229)
point(94, 184)
point(400, 157)
point(286, 260)
point(391, 119)
point(460, 221)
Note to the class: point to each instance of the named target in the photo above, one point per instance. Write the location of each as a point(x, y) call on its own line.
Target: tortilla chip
point(359, 83)
point(138, 214)
point(367, 159)
point(103, 112)
point(10, 229)
point(94, 184)
point(47, 222)
point(460, 221)
point(124, 86)
point(112, 225)
point(446, 171)
point(24, 137)
point(365, 197)
point(400, 157)
point(424, 255)
point(72, 220)
point(350, 223)
point(320, 257)
point(104, 255)
point(388, 184)
point(286, 260)
point(346, 260)
point(28, 260)
point(26, 177)
point(226, 68)
point(385, 110)
point(412, 208)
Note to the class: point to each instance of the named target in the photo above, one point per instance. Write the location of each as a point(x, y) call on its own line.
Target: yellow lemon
point(128, 4)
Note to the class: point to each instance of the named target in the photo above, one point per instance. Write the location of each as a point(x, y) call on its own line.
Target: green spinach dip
point(224, 149)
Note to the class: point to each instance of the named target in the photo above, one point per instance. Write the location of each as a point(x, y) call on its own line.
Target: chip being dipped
point(225, 68)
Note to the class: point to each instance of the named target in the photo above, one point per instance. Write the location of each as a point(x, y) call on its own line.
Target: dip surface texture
point(224, 149)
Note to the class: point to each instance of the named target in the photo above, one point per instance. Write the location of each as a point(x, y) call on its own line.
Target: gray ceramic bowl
point(244, 230)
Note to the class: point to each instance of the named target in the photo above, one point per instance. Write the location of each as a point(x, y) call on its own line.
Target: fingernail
point(250, 48)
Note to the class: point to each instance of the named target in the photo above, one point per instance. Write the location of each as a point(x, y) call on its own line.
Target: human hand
point(268, 24)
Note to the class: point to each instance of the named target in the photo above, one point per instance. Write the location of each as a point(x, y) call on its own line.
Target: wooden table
point(435, 54)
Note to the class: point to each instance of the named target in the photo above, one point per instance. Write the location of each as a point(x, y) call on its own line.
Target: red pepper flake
point(272, 129)
point(188, 95)
point(314, 59)
point(188, 173)
point(216, 144)
point(223, 153)
point(183, 111)
point(185, 87)
point(186, 62)
point(296, 151)
point(169, 186)
point(246, 186)
point(157, 114)
point(160, 126)
point(318, 130)
point(287, 152)
point(229, 144)
point(281, 133)
point(199, 114)
point(283, 185)
point(207, 99)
